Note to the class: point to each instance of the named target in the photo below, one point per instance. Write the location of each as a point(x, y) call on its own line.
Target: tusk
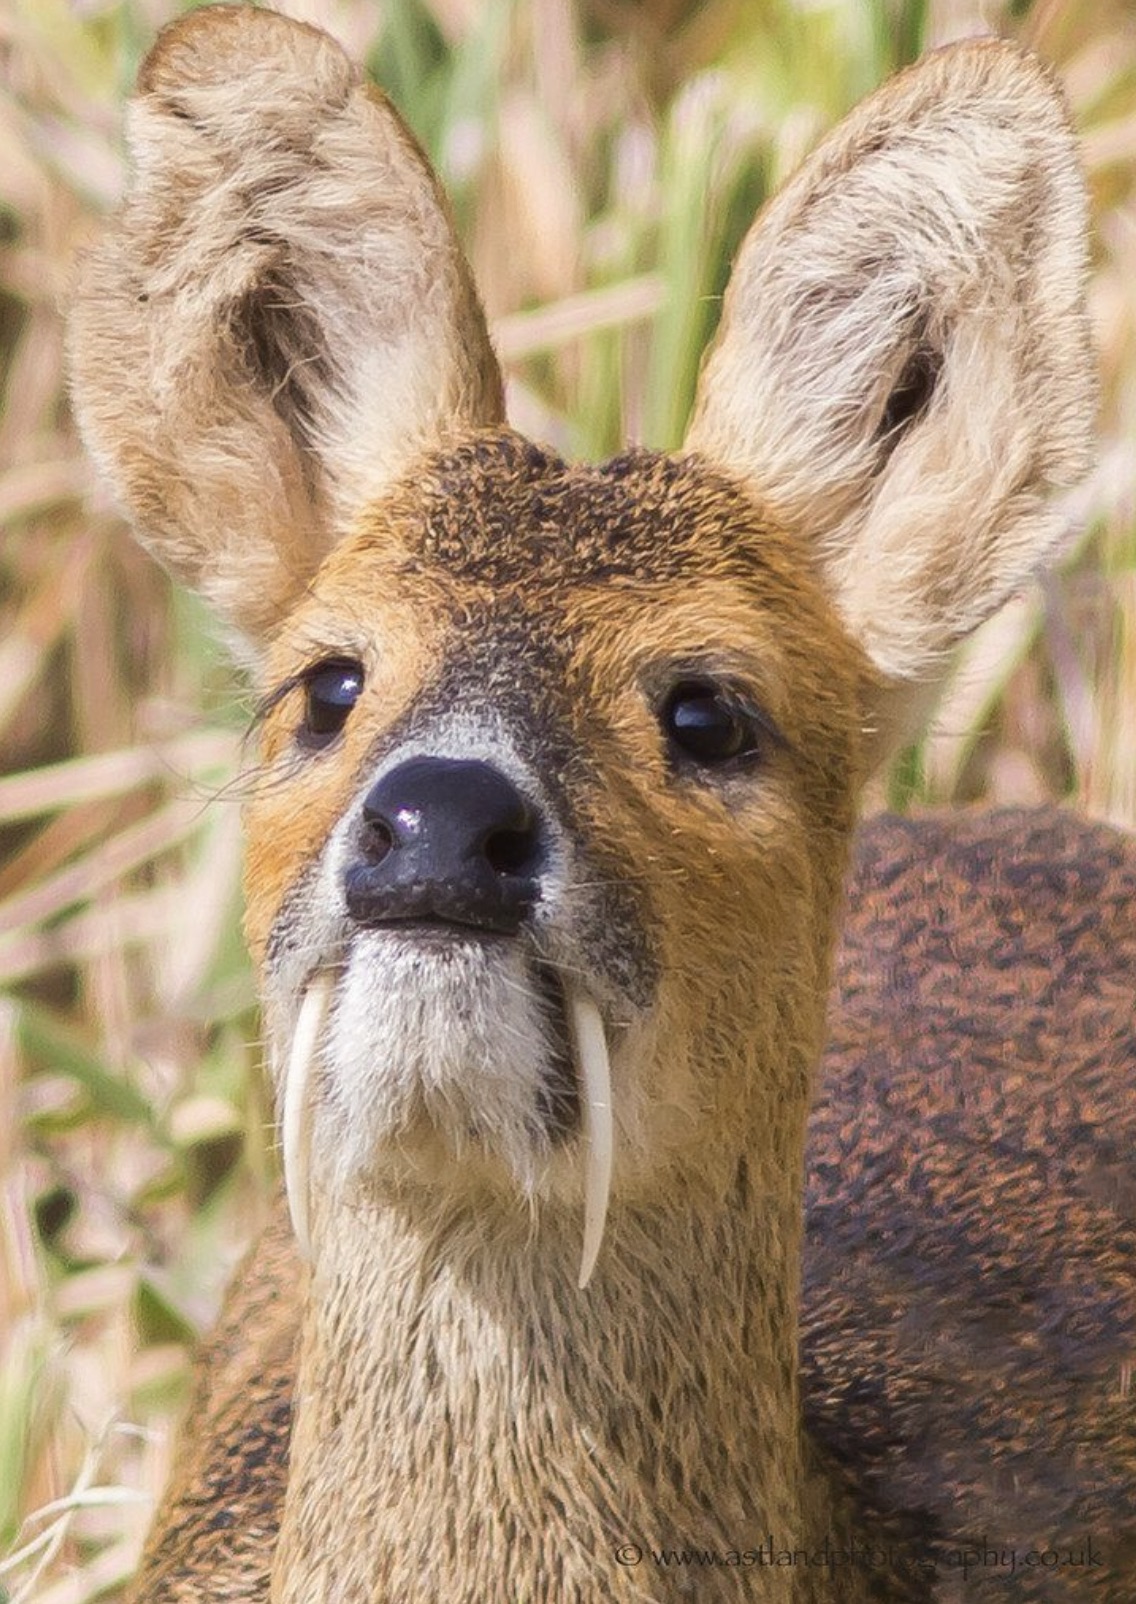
point(594, 1070)
point(297, 1119)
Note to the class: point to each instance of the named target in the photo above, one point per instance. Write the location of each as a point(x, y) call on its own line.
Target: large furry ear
point(279, 318)
point(903, 372)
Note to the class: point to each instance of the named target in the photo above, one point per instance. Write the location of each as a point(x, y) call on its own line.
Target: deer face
point(540, 731)
point(559, 764)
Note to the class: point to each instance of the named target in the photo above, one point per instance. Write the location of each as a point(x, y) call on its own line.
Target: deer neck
point(465, 1413)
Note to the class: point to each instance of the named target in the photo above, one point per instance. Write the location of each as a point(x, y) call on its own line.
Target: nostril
point(510, 851)
point(377, 840)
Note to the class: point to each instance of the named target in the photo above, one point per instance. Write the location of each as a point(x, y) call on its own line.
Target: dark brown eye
point(704, 724)
point(330, 692)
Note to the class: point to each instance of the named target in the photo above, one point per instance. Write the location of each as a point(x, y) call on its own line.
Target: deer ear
point(903, 373)
point(279, 319)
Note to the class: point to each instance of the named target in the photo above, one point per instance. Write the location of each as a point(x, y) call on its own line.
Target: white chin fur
point(593, 1075)
point(296, 1137)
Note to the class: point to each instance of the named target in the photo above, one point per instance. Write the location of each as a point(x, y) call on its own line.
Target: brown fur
point(970, 1296)
point(317, 443)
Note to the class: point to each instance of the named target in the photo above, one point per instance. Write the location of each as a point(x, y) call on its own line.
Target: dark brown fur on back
point(970, 1309)
point(970, 1271)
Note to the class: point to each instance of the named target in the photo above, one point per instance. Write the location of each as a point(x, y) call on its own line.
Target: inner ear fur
point(903, 371)
point(279, 318)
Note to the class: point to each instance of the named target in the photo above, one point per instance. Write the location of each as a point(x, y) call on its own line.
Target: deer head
point(559, 763)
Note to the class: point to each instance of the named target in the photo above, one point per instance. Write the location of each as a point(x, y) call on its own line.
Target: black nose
point(446, 840)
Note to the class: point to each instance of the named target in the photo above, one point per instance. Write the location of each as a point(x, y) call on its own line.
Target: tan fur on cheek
point(300, 793)
point(285, 834)
point(727, 853)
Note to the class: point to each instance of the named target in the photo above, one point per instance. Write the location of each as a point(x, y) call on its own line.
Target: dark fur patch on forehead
point(497, 508)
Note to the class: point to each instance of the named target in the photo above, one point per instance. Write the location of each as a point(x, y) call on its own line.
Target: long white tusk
point(297, 1120)
point(594, 1070)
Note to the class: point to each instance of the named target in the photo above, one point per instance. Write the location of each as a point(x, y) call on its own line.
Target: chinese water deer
point(546, 848)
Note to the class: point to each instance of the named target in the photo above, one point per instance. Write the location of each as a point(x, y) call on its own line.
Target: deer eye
point(330, 692)
point(705, 723)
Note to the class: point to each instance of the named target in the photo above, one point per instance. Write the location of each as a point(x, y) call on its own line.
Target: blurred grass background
point(604, 157)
